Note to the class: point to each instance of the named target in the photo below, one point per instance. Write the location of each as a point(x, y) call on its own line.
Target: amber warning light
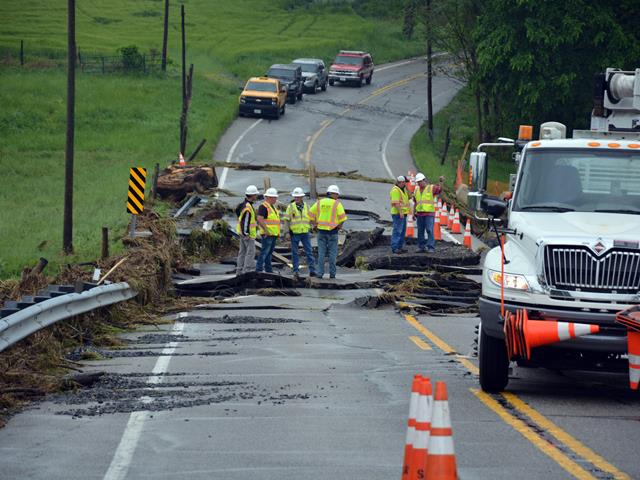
point(525, 132)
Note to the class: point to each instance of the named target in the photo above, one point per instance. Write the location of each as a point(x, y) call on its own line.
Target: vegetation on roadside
point(459, 117)
point(132, 120)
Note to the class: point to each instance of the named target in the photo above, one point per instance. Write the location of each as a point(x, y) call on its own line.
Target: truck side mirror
point(478, 167)
point(493, 206)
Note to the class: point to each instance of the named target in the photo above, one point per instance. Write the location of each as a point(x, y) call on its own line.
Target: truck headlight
point(273, 102)
point(243, 100)
point(511, 281)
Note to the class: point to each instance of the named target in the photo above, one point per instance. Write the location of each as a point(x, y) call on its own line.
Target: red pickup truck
point(351, 67)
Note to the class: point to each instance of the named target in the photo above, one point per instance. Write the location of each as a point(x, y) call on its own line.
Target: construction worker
point(247, 230)
point(328, 216)
point(399, 211)
point(297, 216)
point(269, 223)
point(425, 209)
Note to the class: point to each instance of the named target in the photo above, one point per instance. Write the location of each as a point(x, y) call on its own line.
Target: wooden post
point(447, 142)
point(267, 183)
point(154, 179)
point(197, 150)
point(165, 35)
point(42, 264)
point(429, 28)
point(67, 230)
point(183, 120)
point(313, 192)
point(105, 243)
point(22, 53)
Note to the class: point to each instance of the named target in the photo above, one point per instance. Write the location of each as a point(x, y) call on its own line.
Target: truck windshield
point(581, 180)
point(281, 73)
point(261, 86)
point(348, 60)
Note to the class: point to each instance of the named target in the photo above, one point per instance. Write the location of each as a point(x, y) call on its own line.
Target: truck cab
point(571, 232)
point(263, 96)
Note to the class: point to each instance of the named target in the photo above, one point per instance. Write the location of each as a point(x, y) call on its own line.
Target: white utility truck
point(572, 234)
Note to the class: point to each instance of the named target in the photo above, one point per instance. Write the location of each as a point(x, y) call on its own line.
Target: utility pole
point(183, 139)
point(67, 230)
point(429, 28)
point(165, 35)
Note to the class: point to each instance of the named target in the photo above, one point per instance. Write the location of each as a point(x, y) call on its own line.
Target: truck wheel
point(284, 107)
point(293, 100)
point(360, 82)
point(324, 87)
point(331, 83)
point(494, 364)
point(369, 79)
point(277, 114)
point(300, 95)
point(315, 88)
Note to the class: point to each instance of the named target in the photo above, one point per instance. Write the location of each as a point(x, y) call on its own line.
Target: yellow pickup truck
point(263, 96)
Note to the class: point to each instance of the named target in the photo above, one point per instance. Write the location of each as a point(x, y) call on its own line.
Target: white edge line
point(121, 461)
point(385, 144)
point(232, 150)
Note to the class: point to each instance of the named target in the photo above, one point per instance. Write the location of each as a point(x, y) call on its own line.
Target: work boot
point(332, 276)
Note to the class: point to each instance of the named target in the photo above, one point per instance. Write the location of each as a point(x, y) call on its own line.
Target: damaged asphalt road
point(324, 392)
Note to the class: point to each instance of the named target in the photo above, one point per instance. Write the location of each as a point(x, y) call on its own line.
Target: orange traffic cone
point(451, 216)
point(437, 234)
point(443, 216)
point(441, 461)
point(411, 227)
point(633, 346)
point(630, 318)
point(423, 428)
point(439, 205)
point(411, 425)
point(522, 334)
point(456, 223)
point(467, 235)
point(181, 161)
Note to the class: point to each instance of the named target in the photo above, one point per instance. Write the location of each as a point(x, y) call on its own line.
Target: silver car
point(314, 73)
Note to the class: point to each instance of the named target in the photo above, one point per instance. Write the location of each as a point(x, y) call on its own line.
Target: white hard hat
point(271, 192)
point(297, 192)
point(401, 178)
point(251, 190)
point(420, 177)
point(333, 189)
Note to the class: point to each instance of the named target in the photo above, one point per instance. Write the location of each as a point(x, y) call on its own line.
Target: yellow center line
point(565, 438)
point(527, 432)
point(573, 444)
point(420, 343)
point(326, 123)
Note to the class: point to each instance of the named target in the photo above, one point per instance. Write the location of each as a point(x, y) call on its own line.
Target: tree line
point(529, 61)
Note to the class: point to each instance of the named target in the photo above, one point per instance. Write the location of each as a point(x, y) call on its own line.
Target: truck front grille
point(258, 100)
point(578, 268)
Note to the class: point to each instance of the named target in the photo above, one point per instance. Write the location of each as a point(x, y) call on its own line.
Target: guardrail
point(21, 324)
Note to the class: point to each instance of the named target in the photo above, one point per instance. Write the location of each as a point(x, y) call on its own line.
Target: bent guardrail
point(21, 324)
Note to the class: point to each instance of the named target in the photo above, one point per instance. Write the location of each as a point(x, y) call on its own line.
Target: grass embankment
point(460, 115)
point(124, 121)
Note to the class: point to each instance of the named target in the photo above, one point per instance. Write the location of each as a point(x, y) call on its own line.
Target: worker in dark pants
point(269, 223)
point(297, 215)
point(328, 216)
point(424, 197)
point(399, 211)
point(247, 230)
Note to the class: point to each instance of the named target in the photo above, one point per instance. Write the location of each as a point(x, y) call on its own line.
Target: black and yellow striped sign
point(137, 179)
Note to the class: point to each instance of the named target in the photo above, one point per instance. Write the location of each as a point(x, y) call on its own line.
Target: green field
point(460, 116)
point(133, 120)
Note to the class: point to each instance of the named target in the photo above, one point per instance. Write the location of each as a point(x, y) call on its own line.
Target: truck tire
point(494, 364)
point(360, 82)
point(284, 109)
point(292, 100)
point(315, 88)
point(369, 79)
point(331, 83)
point(277, 114)
point(324, 86)
point(300, 95)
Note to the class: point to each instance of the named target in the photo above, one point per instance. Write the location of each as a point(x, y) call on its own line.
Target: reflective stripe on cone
point(411, 426)
point(423, 426)
point(633, 344)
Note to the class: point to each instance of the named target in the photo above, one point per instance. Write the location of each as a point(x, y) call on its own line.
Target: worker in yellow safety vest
point(269, 223)
point(424, 197)
point(328, 216)
point(247, 229)
point(399, 210)
point(297, 216)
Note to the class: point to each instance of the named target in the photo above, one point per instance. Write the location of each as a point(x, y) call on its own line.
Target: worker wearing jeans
point(399, 212)
point(297, 215)
point(269, 222)
point(424, 197)
point(328, 216)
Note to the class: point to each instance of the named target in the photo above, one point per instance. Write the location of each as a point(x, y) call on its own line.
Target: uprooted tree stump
point(176, 182)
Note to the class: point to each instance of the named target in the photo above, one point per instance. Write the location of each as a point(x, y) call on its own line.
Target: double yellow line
point(523, 410)
point(325, 124)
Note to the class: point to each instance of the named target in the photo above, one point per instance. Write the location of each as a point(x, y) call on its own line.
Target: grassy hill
point(124, 121)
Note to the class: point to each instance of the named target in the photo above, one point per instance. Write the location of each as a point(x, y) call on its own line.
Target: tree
point(410, 12)
point(538, 58)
